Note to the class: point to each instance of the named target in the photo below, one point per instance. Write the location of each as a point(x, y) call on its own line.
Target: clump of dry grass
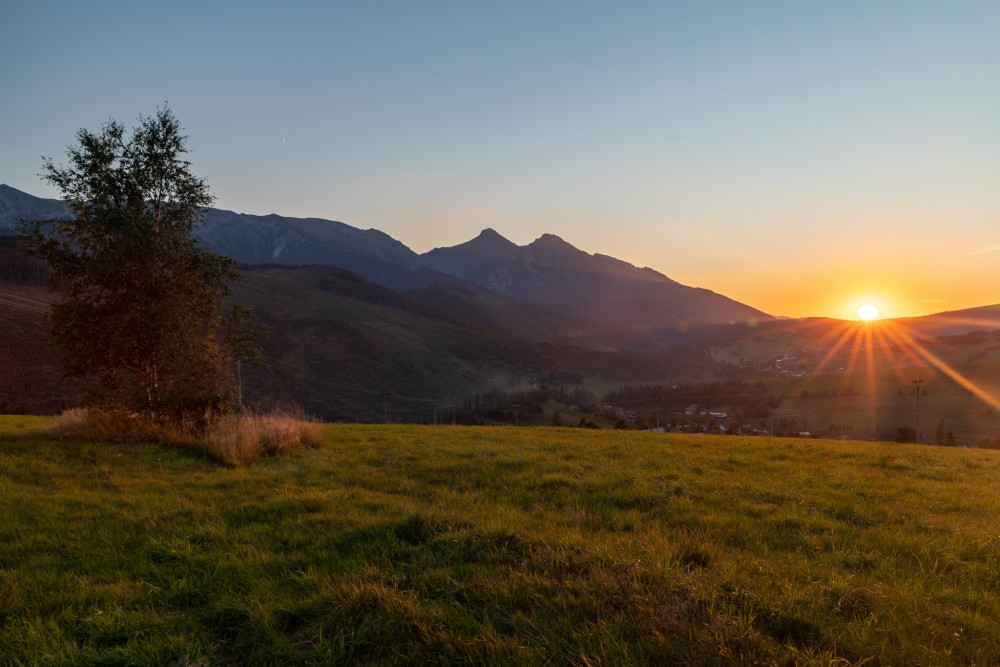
point(239, 439)
point(230, 439)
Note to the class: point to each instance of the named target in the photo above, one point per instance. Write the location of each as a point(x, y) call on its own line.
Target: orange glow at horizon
point(827, 288)
point(869, 303)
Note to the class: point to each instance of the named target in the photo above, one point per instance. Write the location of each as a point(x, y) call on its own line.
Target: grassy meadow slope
point(447, 545)
point(29, 363)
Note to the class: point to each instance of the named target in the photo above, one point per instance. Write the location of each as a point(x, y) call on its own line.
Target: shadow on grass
point(36, 441)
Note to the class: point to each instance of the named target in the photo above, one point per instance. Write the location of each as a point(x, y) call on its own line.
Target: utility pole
point(385, 406)
point(435, 404)
point(916, 383)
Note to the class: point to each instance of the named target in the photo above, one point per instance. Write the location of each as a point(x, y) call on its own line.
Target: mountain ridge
point(551, 272)
point(548, 272)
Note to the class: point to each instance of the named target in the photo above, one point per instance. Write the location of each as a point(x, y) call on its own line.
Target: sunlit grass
point(23, 424)
point(231, 439)
point(500, 546)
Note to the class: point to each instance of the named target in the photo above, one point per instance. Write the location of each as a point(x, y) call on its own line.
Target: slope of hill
point(30, 372)
point(16, 205)
point(347, 349)
point(342, 348)
point(274, 239)
point(503, 315)
point(983, 318)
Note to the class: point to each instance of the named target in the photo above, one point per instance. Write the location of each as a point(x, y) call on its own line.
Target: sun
point(867, 312)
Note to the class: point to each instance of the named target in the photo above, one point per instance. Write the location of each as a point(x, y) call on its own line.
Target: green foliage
point(447, 545)
point(943, 436)
point(750, 400)
point(141, 302)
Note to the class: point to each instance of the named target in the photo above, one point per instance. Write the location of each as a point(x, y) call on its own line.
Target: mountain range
point(582, 291)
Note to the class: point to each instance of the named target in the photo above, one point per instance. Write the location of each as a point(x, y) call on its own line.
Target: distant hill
point(339, 345)
point(954, 322)
point(274, 239)
point(16, 205)
point(342, 348)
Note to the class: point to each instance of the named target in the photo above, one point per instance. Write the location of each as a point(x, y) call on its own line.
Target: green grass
point(24, 424)
point(424, 545)
point(568, 414)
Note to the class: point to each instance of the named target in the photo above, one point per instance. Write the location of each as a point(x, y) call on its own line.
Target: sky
point(800, 157)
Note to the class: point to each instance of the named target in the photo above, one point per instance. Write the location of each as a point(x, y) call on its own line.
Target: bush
point(239, 439)
point(232, 440)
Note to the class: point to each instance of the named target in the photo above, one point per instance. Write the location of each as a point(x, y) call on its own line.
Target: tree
point(940, 433)
point(141, 305)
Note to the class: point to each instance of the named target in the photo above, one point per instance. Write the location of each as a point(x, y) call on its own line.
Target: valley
point(363, 329)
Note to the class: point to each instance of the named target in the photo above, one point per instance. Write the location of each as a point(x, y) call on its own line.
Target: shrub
point(238, 439)
point(231, 439)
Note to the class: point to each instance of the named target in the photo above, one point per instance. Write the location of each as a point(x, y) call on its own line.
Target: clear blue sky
point(797, 156)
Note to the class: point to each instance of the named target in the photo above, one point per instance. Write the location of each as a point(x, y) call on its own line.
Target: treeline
point(987, 442)
point(825, 393)
point(514, 406)
point(751, 399)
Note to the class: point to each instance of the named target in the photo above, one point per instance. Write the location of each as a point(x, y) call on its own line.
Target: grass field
point(450, 545)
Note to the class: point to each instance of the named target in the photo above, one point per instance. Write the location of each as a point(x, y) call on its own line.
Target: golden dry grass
point(239, 439)
point(231, 439)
